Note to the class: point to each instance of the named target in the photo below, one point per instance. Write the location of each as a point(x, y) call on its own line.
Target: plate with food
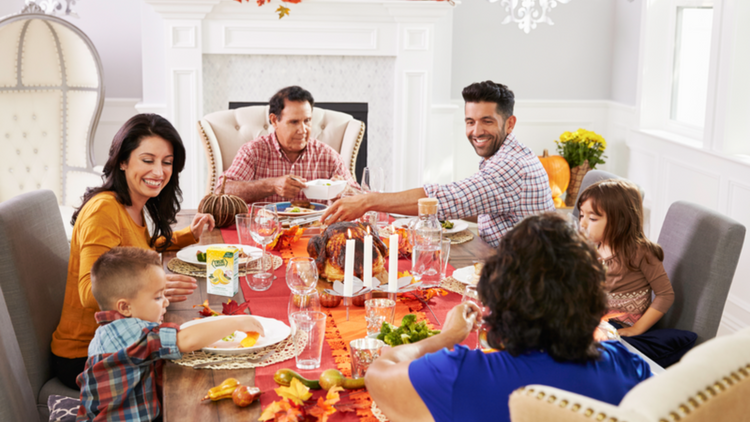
point(324, 188)
point(299, 208)
point(449, 226)
point(275, 331)
point(468, 275)
point(196, 254)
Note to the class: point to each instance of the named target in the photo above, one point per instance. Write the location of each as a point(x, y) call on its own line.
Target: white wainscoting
point(679, 171)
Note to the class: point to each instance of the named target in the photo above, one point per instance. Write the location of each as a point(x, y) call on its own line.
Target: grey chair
point(701, 251)
point(592, 177)
point(33, 273)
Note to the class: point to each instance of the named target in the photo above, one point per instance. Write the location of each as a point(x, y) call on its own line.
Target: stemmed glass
point(302, 279)
point(263, 225)
point(373, 180)
point(471, 295)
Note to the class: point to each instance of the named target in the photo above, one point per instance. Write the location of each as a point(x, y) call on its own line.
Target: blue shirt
point(466, 384)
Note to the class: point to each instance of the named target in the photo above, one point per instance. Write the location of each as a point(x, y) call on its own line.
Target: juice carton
point(222, 269)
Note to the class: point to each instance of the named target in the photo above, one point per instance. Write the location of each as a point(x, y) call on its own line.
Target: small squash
point(558, 172)
point(222, 207)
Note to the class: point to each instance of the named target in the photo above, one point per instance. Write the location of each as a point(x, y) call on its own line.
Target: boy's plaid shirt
point(509, 186)
point(122, 378)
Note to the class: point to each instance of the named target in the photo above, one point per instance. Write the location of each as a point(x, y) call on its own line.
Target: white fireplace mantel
point(418, 33)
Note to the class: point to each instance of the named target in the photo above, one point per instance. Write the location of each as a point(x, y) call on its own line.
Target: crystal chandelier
point(528, 13)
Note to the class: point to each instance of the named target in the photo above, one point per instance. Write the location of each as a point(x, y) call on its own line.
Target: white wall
point(625, 51)
point(570, 60)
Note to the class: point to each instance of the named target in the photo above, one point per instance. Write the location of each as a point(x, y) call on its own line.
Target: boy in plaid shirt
point(122, 379)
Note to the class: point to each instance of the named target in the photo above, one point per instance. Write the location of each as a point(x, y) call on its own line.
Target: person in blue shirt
point(543, 289)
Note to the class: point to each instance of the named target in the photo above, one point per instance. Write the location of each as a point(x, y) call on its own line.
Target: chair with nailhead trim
point(224, 132)
point(51, 96)
point(710, 384)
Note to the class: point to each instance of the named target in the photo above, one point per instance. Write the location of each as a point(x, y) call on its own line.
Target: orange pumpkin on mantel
point(223, 207)
point(558, 172)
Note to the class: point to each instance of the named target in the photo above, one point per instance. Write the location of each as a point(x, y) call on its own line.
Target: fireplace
point(395, 55)
point(356, 110)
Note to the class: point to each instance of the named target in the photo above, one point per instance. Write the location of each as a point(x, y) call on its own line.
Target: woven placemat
point(179, 266)
point(460, 237)
point(283, 350)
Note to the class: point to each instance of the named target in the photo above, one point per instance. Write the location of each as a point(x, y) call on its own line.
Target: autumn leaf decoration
point(229, 308)
point(286, 238)
point(293, 407)
point(206, 311)
point(282, 11)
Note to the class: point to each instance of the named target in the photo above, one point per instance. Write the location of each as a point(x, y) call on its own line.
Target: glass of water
point(308, 331)
point(263, 226)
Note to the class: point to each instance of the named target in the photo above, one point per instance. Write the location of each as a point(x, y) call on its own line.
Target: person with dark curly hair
point(543, 289)
point(510, 184)
point(275, 167)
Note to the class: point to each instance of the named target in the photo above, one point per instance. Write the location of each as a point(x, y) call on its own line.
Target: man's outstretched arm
point(353, 207)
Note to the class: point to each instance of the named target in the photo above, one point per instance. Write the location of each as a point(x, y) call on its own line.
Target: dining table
point(184, 386)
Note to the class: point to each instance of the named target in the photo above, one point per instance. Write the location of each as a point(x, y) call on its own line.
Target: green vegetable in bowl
point(410, 331)
point(447, 224)
point(200, 256)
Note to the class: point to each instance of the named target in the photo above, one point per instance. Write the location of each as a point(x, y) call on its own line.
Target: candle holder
point(358, 290)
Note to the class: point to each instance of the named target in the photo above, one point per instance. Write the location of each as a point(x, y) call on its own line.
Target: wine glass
point(263, 225)
point(302, 279)
point(373, 180)
point(471, 295)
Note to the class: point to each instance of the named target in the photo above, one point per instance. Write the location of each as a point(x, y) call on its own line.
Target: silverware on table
point(219, 362)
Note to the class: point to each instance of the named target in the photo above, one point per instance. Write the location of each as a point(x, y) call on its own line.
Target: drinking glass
point(445, 253)
point(363, 352)
point(302, 275)
point(306, 302)
point(373, 180)
point(308, 332)
point(471, 295)
point(263, 226)
point(378, 311)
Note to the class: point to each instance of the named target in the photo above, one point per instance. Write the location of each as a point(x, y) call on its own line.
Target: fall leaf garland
point(284, 11)
point(293, 407)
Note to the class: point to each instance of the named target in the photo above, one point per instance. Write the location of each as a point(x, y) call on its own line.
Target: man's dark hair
point(545, 289)
point(118, 274)
point(491, 92)
point(290, 93)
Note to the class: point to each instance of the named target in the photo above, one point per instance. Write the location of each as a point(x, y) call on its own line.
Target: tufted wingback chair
point(710, 384)
point(51, 96)
point(224, 132)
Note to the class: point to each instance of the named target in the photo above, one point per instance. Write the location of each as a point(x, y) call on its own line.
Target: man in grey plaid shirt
point(510, 185)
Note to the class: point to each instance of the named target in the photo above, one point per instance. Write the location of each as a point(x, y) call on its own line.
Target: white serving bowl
point(324, 188)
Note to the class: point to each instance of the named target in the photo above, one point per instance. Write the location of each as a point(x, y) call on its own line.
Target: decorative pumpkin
point(558, 172)
point(222, 207)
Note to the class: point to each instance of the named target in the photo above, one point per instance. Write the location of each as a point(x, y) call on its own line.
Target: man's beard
point(491, 146)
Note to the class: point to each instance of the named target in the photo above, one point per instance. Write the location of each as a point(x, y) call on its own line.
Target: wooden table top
point(184, 386)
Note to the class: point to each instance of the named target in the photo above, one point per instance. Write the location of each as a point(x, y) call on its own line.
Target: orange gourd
point(558, 172)
point(222, 207)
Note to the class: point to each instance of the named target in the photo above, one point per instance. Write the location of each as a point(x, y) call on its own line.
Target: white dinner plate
point(281, 206)
point(464, 275)
point(275, 330)
point(189, 254)
point(458, 225)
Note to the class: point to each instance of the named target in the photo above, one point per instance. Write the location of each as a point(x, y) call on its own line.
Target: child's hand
point(248, 323)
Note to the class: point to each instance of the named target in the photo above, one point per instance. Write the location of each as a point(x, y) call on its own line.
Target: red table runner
point(274, 302)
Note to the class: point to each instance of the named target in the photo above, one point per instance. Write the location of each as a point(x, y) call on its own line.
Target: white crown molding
point(183, 9)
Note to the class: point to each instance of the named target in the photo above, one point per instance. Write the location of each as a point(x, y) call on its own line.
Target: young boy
point(122, 379)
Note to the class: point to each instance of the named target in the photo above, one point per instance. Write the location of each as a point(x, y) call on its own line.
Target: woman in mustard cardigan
point(141, 175)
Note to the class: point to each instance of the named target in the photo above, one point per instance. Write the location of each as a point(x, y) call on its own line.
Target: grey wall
point(570, 60)
point(114, 27)
point(626, 45)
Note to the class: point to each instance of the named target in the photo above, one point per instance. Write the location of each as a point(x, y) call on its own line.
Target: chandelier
point(528, 13)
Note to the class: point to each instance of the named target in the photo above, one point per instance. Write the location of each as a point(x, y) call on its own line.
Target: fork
point(219, 362)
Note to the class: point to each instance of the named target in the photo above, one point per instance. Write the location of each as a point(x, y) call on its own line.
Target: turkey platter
point(329, 250)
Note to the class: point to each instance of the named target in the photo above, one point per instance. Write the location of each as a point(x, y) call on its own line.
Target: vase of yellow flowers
point(583, 150)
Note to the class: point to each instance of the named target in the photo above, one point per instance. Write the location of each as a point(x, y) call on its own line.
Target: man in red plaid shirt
point(275, 167)
point(510, 185)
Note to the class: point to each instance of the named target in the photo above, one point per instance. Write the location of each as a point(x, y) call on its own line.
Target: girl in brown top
point(611, 212)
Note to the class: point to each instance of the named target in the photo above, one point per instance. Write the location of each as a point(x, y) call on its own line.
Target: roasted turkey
point(329, 250)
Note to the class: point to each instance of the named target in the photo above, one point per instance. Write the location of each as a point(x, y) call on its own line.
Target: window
point(691, 65)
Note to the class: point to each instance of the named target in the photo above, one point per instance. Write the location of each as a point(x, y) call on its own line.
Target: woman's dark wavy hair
point(163, 208)
point(544, 288)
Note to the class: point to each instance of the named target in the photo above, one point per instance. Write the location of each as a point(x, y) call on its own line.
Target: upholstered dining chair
point(592, 177)
point(51, 96)
point(33, 272)
point(701, 252)
point(224, 132)
point(710, 384)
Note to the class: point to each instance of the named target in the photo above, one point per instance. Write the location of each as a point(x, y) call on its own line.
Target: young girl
point(612, 214)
